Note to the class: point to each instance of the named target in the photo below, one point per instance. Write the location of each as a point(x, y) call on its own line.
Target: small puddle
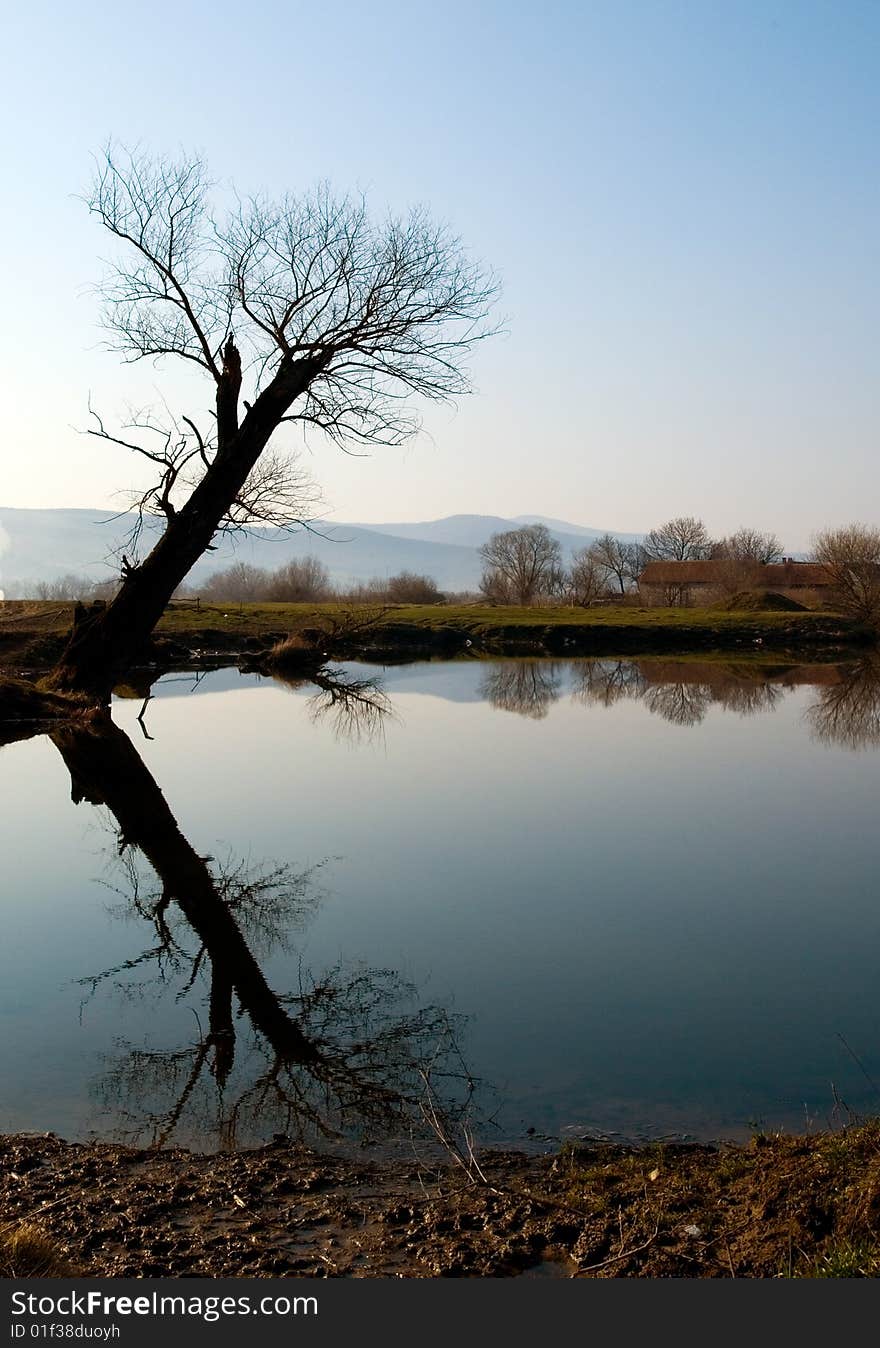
point(550, 1268)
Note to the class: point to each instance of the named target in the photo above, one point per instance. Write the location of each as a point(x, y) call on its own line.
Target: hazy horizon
point(337, 520)
point(681, 201)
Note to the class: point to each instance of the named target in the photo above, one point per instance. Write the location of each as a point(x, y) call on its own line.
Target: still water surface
point(630, 897)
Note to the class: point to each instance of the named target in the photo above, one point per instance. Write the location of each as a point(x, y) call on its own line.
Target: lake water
point(633, 898)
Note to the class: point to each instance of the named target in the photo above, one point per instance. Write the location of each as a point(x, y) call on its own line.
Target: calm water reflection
point(636, 896)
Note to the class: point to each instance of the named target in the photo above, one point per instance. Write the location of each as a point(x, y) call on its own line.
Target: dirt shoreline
point(782, 1206)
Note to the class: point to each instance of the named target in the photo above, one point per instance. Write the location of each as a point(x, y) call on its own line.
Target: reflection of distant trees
point(847, 713)
point(687, 703)
point(681, 694)
point(603, 682)
point(748, 699)
point(679, 703)
point(527, 687)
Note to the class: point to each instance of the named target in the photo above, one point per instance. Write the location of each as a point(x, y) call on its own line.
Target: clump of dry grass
point(27, 1252)
point(297, 649)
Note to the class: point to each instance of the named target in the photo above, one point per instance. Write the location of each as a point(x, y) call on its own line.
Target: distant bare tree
point(587, 578)
point(636, 561)
point(614, 558)
point(684, 539)
point(299, 581)
point(521, 566)
point(740, 558)
point(240, 583)
point(67, 587)
point(851, 556)
point(303, 311)
point(370, 591)
point(409, 588)
point(749, 546)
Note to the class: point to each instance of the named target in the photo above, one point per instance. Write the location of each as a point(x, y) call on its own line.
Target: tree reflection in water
point(846, 712)
point(680, 692)
point(351, 1052)
point(602, 683)
point(527, 687)
point(355, 709)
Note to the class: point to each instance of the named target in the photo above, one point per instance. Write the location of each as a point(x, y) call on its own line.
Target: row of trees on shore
point(525, 566)
point(300, 580)
point(307, 580)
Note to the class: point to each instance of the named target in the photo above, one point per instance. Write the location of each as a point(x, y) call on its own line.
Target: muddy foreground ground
point(780, 1207)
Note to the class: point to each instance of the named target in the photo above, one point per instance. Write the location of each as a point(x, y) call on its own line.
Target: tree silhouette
point(304, 311)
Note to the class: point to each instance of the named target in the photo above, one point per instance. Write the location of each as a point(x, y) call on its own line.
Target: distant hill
point(582, 531)
point(474, 530)
point(41, 545)
point(466, 531)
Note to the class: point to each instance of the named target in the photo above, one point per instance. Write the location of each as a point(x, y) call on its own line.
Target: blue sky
point(681, 198)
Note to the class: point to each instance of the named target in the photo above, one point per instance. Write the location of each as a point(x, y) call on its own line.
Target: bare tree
point(303, 311)
point(587, 578)
point(70, 586)
point(851, 556)
point(521, 566)
point(749, 546)
point(740, 558)
point(300, 581)
point(240, 583)
point(684, 539)
point(409, 588)
point(622, 562)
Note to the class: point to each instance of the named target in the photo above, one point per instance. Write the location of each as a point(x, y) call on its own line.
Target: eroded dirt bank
point(782, 1206)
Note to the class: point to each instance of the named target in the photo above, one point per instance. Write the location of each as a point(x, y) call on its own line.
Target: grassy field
point(618, 628)
point(472, 618)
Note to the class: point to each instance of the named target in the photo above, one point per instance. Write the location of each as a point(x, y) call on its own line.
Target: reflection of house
point(696, 582)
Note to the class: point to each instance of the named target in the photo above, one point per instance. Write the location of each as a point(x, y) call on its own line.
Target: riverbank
point(32, 634)
point(782, 1206)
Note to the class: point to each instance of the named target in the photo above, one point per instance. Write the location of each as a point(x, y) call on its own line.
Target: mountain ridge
point(38, 545)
